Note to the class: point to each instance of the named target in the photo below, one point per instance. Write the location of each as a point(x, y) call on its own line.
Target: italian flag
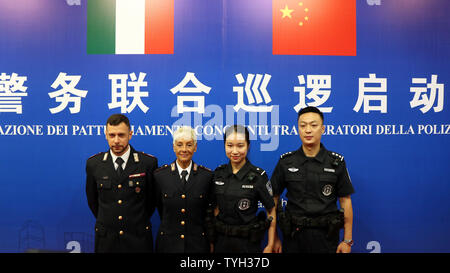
point(130, 26)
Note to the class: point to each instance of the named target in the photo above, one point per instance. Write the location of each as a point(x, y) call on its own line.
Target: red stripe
point(159, 26)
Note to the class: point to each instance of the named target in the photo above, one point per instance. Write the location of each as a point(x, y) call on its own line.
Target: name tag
point(220, 183)
point(329, 170)
point(247, 186)
point(293, 170)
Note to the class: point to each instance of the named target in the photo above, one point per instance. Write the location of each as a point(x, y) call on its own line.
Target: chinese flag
point(314, 27)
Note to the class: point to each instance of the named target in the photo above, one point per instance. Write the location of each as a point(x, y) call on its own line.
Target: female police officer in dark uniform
point(182, 190)
point(238, 186)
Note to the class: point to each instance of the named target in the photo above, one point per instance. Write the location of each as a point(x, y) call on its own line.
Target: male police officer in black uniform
point(119, 192)
point(315, 179)
point(182, 193)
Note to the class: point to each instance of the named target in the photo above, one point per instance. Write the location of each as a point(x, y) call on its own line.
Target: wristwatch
point(348, 242)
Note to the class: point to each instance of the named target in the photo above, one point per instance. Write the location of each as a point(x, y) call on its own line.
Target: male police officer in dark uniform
point(182, 193)
point(315, 179)
point(119, 192)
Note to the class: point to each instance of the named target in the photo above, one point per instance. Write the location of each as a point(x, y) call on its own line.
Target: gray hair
point(185, 132)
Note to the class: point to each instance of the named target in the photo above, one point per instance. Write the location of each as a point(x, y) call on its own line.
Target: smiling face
point(184, 148)
point(310, 128)
point(236, 148)
point(118, 137)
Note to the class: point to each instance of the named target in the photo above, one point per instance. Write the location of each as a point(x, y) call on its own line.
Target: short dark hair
point(117, 119)
point(310, 109)
point(237, 129)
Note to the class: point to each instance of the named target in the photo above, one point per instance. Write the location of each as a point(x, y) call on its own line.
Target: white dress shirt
point(125, 157)
point(188, 169)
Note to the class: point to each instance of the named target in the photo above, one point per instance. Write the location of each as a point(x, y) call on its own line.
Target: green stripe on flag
point(101, 27)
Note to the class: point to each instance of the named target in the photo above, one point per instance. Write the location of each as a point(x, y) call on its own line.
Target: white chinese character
point(11, 91)
point(366, 99)
point(120, 93)
point(421, 97)
point(63, 96)
point(259, 84)
point(199, 101)
point(318, 95)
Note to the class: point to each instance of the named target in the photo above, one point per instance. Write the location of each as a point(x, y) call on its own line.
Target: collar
point(125, 156)
point(319, 157)
point(242, 172)
point(188, 169)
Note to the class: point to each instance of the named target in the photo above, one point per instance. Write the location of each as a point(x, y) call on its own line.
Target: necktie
point(119, 162)
point(183, 176)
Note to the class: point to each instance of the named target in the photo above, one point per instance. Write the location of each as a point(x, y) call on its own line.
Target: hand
point(277, 247)
point(343, 248)
point(268, 249)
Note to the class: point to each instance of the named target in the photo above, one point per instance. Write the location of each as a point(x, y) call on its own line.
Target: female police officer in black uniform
point(238, 186)
point(182, 190)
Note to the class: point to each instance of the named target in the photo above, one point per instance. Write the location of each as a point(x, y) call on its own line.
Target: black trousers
point(311, 240)
point(232, 244)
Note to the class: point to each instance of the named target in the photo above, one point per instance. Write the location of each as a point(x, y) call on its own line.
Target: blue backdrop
point(396, 147)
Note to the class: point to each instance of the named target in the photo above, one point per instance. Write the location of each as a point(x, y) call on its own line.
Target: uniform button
point(119, 186)
point(182, 236)
point(120, 217)
point(165, 195)
point(121, 232)
point(183, 211)
point(182, 223)
point(162, 233)
point(137, 183)
point(147, 228)
point(96, 229)
point(101, 185)
point(201, 195)
point(119, 202)
point(183, 196)
point(203, 234)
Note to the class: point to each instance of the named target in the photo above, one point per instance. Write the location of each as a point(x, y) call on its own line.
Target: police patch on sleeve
point(269, 188)
point(327, 190)
point(244, 204)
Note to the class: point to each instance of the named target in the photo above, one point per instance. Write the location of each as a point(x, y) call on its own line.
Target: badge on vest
point(293, 170)
point(244, 204)
point(220, 183)
point(327, 190)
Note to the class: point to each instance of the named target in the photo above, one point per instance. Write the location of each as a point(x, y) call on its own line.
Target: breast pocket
point(103, 184)
point(328, 185)
point(295, 182)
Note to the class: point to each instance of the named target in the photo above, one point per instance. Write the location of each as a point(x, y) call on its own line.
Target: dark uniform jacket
point(122, 205)
point(182, 209)
point(237, 195)
point(313, 184)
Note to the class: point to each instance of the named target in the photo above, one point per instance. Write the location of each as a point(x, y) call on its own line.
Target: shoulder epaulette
point(147, 154)
point(94, 155)
point(260, 171)
point(336, 155)
point(286, 154)
point(203, 167)
point(161, 168)
point(221, 167)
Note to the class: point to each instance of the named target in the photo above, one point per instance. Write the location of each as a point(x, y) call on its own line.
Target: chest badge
point(327, 190)
point(293, 170)
point(244, 204)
